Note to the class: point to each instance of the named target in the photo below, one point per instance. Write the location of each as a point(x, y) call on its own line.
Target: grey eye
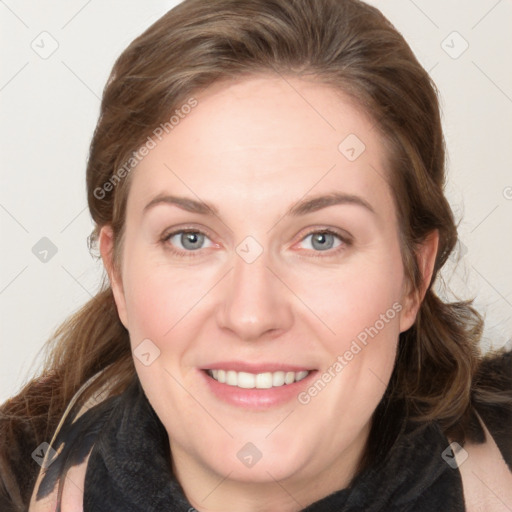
point(322, 241)
point(188, 240)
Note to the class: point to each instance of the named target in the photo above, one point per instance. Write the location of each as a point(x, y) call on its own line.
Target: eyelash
point(346, 242)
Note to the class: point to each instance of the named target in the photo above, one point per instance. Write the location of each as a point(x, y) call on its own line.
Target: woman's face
point(296, 300)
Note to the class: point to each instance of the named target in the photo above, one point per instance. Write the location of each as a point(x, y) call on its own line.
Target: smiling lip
point(256, 398)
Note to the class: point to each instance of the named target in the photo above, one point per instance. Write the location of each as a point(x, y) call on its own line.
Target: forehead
point(262, 141)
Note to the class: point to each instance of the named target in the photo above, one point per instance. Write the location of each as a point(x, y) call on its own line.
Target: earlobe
point(106, 245)
point(426, 257)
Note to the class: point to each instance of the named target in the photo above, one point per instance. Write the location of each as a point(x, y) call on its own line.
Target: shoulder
point(486, 478)
point(25, 423)
point(486, 467)
point(69, 495)
point(492, 399)
point(60, 482)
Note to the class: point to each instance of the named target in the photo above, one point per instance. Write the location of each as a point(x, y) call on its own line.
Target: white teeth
point(264, 380)
point(277, 379)
point(301, 375)
point(231, 378)
point(245, 380)
point(289, 377)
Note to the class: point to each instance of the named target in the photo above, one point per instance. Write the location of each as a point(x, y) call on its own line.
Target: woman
point(266, 179)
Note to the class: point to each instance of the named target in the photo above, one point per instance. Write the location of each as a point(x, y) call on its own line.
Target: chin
point(260, 461)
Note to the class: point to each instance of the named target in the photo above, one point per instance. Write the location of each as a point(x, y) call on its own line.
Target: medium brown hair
point(344, 43)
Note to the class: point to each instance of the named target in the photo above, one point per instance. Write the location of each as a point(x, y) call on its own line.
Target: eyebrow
point(302, 207)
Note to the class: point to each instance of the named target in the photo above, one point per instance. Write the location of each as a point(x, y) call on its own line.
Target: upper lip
point(243, 366)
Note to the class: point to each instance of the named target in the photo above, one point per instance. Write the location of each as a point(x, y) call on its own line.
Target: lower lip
point(257, 398)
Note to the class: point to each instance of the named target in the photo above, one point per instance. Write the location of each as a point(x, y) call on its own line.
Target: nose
point(255, 302)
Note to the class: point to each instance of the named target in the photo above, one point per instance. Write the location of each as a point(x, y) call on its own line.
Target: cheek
point(360, 297)
point(361, 354)
point(361, 307)
point(157, 298)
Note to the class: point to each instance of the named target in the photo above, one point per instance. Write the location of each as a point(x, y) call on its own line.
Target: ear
point(425, 257)
point(106, 244)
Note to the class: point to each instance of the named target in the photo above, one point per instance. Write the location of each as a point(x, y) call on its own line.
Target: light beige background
point(49, 107)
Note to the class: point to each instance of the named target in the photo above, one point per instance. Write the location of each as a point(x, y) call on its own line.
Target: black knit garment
point(129, 469)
